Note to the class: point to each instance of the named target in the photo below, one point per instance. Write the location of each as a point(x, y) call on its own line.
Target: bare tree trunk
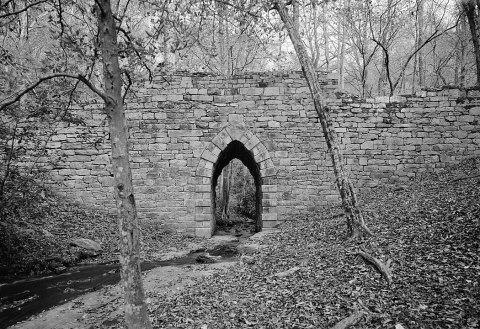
point(227, 182)
point(225, 68)
point(365, 62)
point(419, 54)
point(342, 33)
point(222, 52)
point(460, 50)
point(136, 313)
point(326, 36)
point(381, 78)
point(296, 14)
point(469, 7)
point(355, 222)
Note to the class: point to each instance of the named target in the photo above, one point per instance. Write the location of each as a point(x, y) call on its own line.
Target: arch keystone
point(235, 132)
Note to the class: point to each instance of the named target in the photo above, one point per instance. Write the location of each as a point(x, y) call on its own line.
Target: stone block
point(246, 137)
point(186, 82)
point(466, 118)
point(174, 97)
point(260, 149)
point(202, 98)
point(273, 124)
point(269, 188)
point(222, 139)
point(252, 142)
point(202, 203)
point(264, 161)
point(203, 172)
point(159, 98)
point(197, 113)
point(474, 111)
point(202, 188)
point(268, 172)
point(271, 91)
point(269, 217)
point(235, 132)
point(460, 134)
point(209, 156)
point(368, 145)
point(203, 232)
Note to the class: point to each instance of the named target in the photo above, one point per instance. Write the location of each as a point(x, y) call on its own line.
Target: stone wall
point(387, 140)
point(181, 127)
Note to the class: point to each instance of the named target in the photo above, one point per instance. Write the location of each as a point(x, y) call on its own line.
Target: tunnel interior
point(236, 150)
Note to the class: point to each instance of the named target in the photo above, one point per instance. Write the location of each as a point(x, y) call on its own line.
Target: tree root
point(385, 270)
point(463, 177)
point(349, 321)
point(361, 230)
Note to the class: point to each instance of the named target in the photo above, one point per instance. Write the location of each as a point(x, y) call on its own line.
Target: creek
point(21, 299)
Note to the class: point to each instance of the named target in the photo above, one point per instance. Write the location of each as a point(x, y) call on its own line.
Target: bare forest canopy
point(377, 47)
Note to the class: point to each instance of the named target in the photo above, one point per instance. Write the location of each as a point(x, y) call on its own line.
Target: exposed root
point(349, 321)
point(384, 269)
point(462, 178)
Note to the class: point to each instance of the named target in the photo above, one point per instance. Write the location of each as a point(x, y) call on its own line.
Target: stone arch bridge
point(185, 128)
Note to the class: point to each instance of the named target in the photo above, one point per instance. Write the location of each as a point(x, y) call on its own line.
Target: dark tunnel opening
point(236, 150)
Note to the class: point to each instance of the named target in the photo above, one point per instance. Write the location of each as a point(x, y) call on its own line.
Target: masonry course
point(180, 123)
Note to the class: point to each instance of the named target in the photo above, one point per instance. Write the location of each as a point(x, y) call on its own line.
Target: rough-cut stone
point(86, 244)
point(178, 131)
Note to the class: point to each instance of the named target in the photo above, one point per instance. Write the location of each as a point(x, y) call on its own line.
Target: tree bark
point(469, 7)
point(296, 14)
point(355, 223)
point(136, 313)
point(460, 71)
point(342, 33)
point(326, 36)
point(227, 176)
point(420, 28)
point(384, 269)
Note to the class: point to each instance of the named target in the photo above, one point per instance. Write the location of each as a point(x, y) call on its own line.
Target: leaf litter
point(309, 276)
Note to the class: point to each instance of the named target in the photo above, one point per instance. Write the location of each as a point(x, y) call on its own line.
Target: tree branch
point(130, 41)
point(79, 77)
point(22, 10)
point(432, 37)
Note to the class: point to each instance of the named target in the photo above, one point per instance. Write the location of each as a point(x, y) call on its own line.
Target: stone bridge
point(185, 128)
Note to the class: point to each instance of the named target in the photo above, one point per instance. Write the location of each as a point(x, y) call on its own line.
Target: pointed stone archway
point(235, 141)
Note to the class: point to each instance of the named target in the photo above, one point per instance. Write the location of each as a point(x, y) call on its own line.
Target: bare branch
point(79, 77)
point(130, 41)
point(23, 9)
point(127, 88)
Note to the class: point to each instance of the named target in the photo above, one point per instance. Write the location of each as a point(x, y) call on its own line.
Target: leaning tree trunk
point(136, 313)
point(355, 222)
point(469, 7)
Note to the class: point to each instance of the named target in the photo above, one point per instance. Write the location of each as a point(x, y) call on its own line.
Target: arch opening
point(236, 150)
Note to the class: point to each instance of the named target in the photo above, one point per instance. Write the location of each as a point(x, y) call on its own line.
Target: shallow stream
point(21, 299)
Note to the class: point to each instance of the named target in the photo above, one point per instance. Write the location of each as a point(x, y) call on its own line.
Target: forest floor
point(307, 275)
